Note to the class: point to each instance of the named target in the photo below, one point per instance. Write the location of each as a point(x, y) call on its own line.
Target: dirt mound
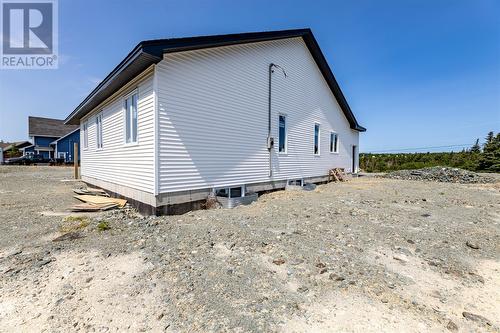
point(442, 174)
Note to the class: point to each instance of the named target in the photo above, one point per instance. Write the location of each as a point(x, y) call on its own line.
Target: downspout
point(270, 140)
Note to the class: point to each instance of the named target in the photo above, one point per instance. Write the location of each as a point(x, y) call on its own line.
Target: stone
point(477, 318)
point(302, 289)
point(452, 326)
point(335, 277)
point(401, 257)
point(472, 245)
point(68, 236)
point(279, 261)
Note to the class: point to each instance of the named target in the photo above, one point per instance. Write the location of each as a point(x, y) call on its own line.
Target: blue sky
point(416, 73)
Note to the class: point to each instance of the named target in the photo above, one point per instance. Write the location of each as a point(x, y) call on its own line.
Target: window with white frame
point(316, 139)
point(334, 142)
point(98, 125)
point(131, 119)
point(85, 135)
point(282, 133)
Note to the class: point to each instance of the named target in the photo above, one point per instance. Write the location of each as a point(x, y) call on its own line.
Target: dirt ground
point(368, 255)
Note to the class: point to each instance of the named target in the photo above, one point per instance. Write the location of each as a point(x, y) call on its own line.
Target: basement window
point(231, 192)
point(131, 119)
point(296, 182)
point(334, 142)
point(316, 139)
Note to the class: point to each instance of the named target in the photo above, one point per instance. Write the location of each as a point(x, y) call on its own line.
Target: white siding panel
point(213, 116)
point(127, 165)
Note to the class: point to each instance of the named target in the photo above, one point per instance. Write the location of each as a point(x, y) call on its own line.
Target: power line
point(420, 148)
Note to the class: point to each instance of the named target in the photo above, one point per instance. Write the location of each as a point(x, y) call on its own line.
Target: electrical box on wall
point(270, 143)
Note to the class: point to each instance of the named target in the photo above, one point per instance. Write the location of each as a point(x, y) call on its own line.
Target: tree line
point(484, 158)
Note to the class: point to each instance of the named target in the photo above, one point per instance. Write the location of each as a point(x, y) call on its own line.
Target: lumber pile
point(336, 175)
point(94, 200)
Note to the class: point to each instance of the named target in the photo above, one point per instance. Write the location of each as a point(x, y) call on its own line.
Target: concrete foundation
point(181, 202)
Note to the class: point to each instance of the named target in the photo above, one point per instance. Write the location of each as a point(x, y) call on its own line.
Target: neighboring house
point(14, 149)
point(181, 118)
point(51, 138)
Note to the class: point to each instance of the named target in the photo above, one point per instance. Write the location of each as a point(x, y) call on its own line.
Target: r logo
point(27, 28)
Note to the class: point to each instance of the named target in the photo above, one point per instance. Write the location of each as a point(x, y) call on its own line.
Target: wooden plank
point(75, 159)
point(88, 207)
point(101, 200)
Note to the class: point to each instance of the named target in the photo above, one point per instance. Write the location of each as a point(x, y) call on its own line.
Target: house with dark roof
point(182, 119)
point(12, 149)
point(51, 138)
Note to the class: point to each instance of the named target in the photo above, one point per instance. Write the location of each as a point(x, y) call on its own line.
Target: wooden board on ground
point(88, 207)
point(101, 200)
point(90, 191)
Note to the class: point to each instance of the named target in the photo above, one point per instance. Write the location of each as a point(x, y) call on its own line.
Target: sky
point(416, 73)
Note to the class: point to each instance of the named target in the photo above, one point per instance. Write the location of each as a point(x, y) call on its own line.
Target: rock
point(44, 262)
point(401, 257)
point(452, 326)
point(279, 261)
point(472, 245)
point(87, 280)
point(68, 236)
point(441, 174)
point(335, 277)
point(295, 262)
point(302, 289)
point(477, 318)
point(426, 215)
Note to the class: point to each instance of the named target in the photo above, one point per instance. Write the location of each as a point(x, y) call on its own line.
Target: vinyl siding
point(213, 111)
point(130, 165)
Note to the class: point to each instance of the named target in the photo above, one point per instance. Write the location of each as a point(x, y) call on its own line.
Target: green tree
point(13, 152)
point(490, 158)
point(476, 148)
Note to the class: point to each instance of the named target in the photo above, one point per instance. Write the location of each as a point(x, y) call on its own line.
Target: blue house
point(51, 138)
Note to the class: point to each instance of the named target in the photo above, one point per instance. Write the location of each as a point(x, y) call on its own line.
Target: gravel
point(371, 255)
point(442, 174)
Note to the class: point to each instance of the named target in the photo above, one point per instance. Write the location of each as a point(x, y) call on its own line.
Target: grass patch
point(103, 226)
point(74, 223)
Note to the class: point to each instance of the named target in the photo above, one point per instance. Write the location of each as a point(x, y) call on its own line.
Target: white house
point(179, 118)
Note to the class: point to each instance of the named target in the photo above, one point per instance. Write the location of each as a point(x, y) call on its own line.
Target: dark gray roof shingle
point(48, 127)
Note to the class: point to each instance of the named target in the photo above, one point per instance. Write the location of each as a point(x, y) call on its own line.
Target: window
point(316, 139)
point(85, 135)
point(61, 154)
point(131, 119)
point(282, 134)
point(231, 192)
point(296, 182)
point(334, 142)
point(98, 125)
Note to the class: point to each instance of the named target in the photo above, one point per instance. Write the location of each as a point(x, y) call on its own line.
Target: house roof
point(67, 134)
point(5, 144)
point(38, 126)
point(151, 52)
point(18, 145)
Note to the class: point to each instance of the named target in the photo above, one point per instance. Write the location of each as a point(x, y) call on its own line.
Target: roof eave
point(137, 58)
point(150, 52)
